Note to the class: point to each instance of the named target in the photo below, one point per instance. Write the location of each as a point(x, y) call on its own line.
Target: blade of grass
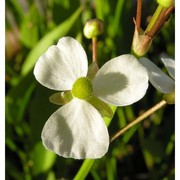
point(117, 17)
point(18, 97)
point(17, 6)
point(121, 117)
point(111, 170)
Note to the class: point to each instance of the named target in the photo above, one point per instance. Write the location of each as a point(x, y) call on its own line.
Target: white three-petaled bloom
point(77, 130)
point(158, 78)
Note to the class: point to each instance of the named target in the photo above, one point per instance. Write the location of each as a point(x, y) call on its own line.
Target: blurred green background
point(146, 151)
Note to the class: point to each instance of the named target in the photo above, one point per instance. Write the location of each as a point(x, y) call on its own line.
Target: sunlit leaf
point(29, 28)
point(51, 176)
point(42, 159)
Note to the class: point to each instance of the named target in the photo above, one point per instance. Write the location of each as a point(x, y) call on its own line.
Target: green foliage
point(146, 150)
point(29, 28)
point(42, 159)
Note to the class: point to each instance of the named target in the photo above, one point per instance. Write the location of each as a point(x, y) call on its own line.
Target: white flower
point(158, 78)
point(77, 130)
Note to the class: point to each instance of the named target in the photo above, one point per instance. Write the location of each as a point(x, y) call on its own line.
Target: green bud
point(82, 88)
point(93, 28)
point(165, 3)
point(169, 98)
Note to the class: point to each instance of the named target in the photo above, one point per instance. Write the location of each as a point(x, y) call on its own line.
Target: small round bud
point(169, 98)
point(93, 28)
point(166, 3)
point(82, 88)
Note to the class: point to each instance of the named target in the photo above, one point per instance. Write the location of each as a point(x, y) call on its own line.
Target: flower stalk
point(142, 39)
point(139, 119)
point(138, 15)
point(94, 49)
point(92, 29)
point(159, 18)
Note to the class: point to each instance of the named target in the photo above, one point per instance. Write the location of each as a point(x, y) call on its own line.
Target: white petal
point(121, 81)
point(61, 65)
point(170, 65)
point(157, 77)
point(76, 130)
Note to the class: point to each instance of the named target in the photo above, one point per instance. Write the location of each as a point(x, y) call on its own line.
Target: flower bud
point(169, 98)
point(166, 3)
point(93, 28)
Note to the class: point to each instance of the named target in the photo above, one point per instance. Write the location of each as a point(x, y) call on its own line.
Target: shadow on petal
point(76, 130)
point(110, 84)
point(57, 136)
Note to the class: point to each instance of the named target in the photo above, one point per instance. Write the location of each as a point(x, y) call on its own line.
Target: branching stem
point(159, 18)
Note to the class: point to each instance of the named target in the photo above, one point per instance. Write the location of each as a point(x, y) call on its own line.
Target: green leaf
point(102, 8)
point(121, 117)
point(29, 28)
point(42, 159)
point(128, 135)
point(51, 176)
point(18, 98)
point(39, 111)
point(117, 17)
point(104, 109)
point(170, 145)
point(111, 165)
point(61, 98)
point(48, 40)
point(18, 7)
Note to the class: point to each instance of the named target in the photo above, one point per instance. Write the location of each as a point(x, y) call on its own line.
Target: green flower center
point(82, 88)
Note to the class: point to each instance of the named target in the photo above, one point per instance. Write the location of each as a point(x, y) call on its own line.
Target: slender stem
point(84, 170)
point(94, 48)
point(166, 15)
point(138, 14)
point(158, 20)
point(154, 18)
point(169, 11)
point(139, 119)
point(158, 24)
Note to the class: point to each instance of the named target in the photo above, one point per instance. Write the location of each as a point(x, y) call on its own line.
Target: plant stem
point(138, 14)
point(94, 48)
point(154, 18)
point(158, 24)
point(139, 119)
point(84, 170)
point(160, 16)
